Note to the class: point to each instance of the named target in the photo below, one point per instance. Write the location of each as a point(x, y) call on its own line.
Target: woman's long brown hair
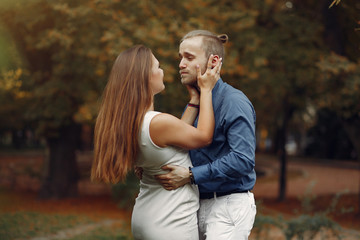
point(126, 98)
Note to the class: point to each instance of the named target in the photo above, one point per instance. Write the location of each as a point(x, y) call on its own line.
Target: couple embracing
point(197, 172)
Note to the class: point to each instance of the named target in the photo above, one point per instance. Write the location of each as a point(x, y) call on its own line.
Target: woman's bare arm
point(192, 109)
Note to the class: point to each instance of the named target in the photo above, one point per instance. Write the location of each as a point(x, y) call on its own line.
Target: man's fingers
point(138, 172)
point(162, 177)
point(169, 186)
point(165, 176)
point(167, 167)
point(170, 168)
point(164, 180)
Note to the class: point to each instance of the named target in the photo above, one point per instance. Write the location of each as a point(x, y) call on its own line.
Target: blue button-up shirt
point(227, 164)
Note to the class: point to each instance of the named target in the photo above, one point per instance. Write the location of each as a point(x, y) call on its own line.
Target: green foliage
point(62, 72)
point(125, 193)
point(4, 49)
point(13, 99)
point(32, 224)
point(278, 56)
point(271, 56)
point(306, 203)
point(307, 227)
point(304, 226)
point(340, 92)
point(307, 224)
point(67, 63)
point(264, 224)
point(340, 88)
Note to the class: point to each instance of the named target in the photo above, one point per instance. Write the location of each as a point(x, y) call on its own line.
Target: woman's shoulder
point(164, 122)
point(162, 126)
point(162, 118)
point(152, 113)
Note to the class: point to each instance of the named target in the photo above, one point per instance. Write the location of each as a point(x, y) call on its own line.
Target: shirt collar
point(217, 86)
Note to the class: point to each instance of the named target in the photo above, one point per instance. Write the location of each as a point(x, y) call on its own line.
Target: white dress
point(160, 214)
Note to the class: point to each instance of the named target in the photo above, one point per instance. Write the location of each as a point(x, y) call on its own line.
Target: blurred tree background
point(297, 61)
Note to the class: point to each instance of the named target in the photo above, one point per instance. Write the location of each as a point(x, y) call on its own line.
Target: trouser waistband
point(220, 194)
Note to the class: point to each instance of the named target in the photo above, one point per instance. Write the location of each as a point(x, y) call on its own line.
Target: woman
point(128, 132)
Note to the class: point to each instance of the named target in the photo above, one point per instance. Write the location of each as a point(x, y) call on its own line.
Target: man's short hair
point(212, 43)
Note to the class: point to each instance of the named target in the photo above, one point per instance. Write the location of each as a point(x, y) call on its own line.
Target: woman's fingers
point(198, 71)
point(218, 65)
point(209, 64)
point(211, 74)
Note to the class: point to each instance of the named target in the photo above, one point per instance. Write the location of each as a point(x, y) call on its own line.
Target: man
point(224, 170)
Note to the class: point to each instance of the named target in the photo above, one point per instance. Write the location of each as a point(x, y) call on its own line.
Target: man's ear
point(215, 60)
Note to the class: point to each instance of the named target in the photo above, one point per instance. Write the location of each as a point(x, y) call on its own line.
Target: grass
point(23, 216)
point(20, 225)
point(104, 233)
point(32, 224)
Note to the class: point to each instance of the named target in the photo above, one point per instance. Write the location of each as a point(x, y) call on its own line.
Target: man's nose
point(182, 64)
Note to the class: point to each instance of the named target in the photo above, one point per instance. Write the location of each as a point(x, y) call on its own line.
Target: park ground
point(315, 187)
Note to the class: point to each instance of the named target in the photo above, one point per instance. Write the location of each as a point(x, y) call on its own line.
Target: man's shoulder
point(233, 95)
point(231, 91)
point(235, 101)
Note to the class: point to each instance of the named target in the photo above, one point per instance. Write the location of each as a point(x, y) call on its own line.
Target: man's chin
point(186, 81)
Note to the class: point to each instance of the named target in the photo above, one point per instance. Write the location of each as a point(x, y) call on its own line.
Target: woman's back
point(152, 157)
point(159, 213)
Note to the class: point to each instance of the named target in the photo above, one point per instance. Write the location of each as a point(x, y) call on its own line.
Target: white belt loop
point(215, 196)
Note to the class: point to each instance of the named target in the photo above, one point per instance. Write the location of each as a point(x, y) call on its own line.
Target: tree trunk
point(275, 148)
point(62, 170)
point(18, 138)
point(288, 111)
point(283, 161)
point(352, 128)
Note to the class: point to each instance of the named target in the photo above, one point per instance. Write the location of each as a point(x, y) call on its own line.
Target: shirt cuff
point(200, 173)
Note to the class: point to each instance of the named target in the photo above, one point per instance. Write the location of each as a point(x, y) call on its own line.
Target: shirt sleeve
point(238, 125)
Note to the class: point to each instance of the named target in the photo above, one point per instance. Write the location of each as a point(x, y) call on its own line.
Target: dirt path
point(319, 178)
